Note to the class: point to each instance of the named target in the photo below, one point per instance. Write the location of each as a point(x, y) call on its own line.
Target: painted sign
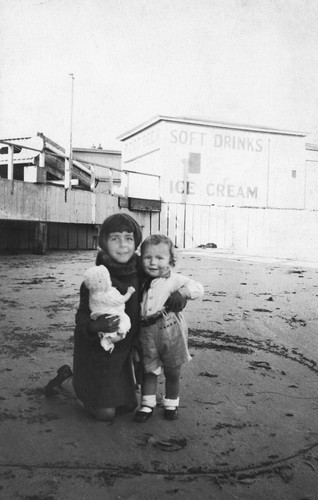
point(215, 166)
point(219, 166)
point(146, 142)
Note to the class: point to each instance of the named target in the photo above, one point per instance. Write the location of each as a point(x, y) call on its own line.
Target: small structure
point(102, 158)
point(40, 205)
point(38, 159)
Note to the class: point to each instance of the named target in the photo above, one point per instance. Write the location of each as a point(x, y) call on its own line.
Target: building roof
point(97, 151)
point(207, 123)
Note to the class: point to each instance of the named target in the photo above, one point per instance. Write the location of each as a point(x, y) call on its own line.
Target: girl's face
point(120, 246)
point(156, 260)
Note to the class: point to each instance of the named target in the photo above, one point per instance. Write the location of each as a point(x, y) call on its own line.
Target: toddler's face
point(120, 246)
point(156, 260)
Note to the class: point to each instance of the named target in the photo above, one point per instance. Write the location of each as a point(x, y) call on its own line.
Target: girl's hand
point(131, 290)
point(106, 324)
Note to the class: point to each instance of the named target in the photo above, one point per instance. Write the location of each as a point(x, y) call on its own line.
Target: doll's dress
point(110, 303)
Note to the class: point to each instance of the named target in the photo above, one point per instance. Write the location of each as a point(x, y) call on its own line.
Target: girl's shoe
point(171, 414)
point(63, 373)
point(142, 416)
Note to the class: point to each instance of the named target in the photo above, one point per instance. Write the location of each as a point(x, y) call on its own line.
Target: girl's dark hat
point(119, 223)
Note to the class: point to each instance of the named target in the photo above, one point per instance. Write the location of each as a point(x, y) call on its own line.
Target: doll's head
point(97, 279)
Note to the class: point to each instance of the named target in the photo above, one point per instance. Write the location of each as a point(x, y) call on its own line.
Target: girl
point(163, 335)
point(104, 382)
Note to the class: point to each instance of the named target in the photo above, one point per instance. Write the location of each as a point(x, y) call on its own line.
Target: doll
point(104, 299)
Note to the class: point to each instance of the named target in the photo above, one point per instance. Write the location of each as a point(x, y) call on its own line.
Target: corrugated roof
point(97, 150)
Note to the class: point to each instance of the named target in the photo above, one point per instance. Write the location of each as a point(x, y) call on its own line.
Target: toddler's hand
point(176, 302)
point(131, 290)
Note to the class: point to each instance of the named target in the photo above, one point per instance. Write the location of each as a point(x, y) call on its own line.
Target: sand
point(248, 426)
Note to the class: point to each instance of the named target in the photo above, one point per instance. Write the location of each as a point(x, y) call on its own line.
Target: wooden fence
point(73, 221)
point(285, 233)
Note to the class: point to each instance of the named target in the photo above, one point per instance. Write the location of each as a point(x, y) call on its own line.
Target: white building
point(203, 162)
point(249, 189)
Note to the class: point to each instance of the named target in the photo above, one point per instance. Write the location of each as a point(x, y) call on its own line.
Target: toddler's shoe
point(171, 414)
point(63, 373)
point(142, 416)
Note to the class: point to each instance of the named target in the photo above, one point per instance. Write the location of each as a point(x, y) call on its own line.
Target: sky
point(252, 62)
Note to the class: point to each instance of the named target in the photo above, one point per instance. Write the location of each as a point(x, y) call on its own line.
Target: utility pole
point(69, 162)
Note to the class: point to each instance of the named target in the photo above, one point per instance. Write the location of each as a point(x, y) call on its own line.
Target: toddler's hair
point(119, 222)
point(156, 239)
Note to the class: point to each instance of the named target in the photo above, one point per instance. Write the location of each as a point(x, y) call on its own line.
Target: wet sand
point(248, 425)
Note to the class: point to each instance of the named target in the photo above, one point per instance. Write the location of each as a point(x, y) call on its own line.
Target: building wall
point(110, 159)
point(311, 185)
point(220, 166)
point(286, 172)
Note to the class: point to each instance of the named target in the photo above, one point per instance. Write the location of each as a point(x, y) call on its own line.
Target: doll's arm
point(116, 339)
point(129, 293)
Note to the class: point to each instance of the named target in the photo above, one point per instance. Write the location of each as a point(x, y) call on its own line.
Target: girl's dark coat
point(102, 379)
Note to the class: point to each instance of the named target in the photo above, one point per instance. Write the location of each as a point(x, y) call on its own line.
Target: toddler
point(163, 334)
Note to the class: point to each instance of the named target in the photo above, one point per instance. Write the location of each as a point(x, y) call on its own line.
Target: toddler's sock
point(146, 402)
point(170, 404)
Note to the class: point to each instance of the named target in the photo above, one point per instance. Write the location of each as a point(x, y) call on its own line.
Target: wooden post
point(40, 238)
point(10, 166)
point(111, 181)
point(10, 162)
point(93, 200)
point(69, 161)
point(126, 188)
point(67, 175)
point(42, 172)
point(42, 160)
point(93, 177)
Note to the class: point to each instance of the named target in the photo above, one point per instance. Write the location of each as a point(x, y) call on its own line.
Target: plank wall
point(73, 223)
